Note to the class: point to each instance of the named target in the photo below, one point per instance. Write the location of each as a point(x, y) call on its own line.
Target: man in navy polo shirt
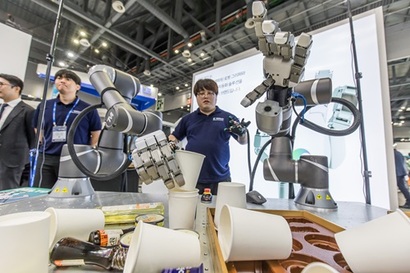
point(208, 130)
point(59, 114)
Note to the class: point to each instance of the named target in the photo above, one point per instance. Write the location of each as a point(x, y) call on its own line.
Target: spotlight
point(118, 6)
point(250, 23)
point(84, 42)
point(186, 53)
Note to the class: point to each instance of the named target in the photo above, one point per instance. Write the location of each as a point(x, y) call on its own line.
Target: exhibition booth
point(172, 229)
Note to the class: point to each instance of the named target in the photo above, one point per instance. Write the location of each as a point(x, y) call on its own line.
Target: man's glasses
point(2, 83)
point(206, 93)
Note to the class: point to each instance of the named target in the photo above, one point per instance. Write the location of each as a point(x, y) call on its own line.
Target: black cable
point(255, 166)
point(355, 124)
point(249, 154)
point(76, 160)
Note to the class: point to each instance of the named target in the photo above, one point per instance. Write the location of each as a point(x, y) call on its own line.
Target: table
point(348, 214)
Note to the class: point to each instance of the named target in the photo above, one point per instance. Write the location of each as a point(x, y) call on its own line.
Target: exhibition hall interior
point(319, 92)
point(151, 39)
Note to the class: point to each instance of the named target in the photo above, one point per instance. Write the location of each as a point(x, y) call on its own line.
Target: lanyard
point(68, 114)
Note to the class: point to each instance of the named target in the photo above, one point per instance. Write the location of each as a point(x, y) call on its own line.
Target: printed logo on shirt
point(217, 119)
point(76, 112)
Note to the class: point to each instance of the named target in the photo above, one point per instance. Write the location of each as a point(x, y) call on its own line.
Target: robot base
point(72, 187)
point(319, 199)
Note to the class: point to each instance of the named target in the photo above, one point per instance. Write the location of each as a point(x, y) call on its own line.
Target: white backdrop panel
point(14, 51)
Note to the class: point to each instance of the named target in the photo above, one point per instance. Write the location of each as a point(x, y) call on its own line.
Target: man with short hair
point(59, 114)
point(16, 133)
point(208, 130)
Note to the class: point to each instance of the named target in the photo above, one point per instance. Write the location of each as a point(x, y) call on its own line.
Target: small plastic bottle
point(206, 196)
point(73, 252)
point(108, 237)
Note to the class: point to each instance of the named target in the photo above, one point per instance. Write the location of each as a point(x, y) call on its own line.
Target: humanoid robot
point(283, 64)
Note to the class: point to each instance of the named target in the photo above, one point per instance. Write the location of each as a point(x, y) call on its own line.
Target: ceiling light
point(76, 41)
point(70, 54)
point(177, 88)
point(250, 23)
point(186, 53)
point(186, 85)
point(202, 54)
point(159, 94)
point(97, 50)
point(83, 34)
point(189, 44)
point(84, 42)
point(118, 6)
point(104, 44)
point(61, 64)
point(176, 51)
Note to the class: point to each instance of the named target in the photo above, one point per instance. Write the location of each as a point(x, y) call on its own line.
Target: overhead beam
point(165, 18)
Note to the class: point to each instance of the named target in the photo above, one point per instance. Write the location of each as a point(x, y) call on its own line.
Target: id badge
point(59, 134)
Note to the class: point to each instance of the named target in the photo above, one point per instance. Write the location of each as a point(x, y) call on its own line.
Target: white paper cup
point(182, 208)
point(229, 193)
point(24, 242)
point(378, 246)
point(75, 223)
point(154, 248)
point(190, 164)
point(246, 235)
point(318, 267)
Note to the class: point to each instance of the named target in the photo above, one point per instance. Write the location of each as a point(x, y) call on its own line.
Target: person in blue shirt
point(208, 130)
point(401, 172)
point(58, 116)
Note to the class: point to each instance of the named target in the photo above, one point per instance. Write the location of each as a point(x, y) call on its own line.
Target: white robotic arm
point(283, 65)
point(108, 160)
point(117, 89)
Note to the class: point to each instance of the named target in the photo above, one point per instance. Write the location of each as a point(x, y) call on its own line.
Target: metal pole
point(358, 75)
point(50, 60)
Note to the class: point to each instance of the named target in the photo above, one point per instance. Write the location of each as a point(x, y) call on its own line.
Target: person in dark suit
point(16, 133)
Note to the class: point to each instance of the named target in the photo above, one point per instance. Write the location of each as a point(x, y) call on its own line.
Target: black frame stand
point(358, 76)
point(50, 60)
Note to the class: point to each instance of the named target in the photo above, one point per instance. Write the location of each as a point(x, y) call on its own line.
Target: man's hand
point(237, 128)
point(173, 146)
point(173, 143)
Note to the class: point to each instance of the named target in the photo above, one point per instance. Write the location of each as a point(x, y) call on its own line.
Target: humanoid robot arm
point(284, 61)
point(117, 89)
point(152, 157)
point(283, 65)
point(108, 159)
